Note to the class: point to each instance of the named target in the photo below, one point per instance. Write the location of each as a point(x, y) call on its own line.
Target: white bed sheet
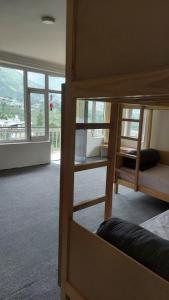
point(156, 178)
point(159, 225)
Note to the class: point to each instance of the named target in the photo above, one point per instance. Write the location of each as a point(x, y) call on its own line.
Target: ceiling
point(23, 33)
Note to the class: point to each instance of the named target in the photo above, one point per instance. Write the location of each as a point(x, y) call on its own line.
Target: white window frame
point(27, 108)
point(127, 128)
point(29, 128)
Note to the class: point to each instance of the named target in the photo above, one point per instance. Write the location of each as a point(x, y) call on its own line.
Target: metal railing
point(55, 138)
point(9, 134)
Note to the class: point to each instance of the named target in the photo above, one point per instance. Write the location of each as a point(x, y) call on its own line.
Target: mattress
point(144, 246)
point(156, 178)
point(159, 225)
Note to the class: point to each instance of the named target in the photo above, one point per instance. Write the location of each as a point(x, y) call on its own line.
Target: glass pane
point(54, 110)
point(81, 111)
point(91, 145)
point(130, 129)
point(135, 114)
point(131, 113)
point(92, 112)
point(37, 102)
point(90, 184)
point(36, 80)
point(55, 83)
point(55, 124)
point(12, 116)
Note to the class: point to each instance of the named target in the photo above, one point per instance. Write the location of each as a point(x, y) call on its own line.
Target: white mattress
point(159, 225)
point(156, 178)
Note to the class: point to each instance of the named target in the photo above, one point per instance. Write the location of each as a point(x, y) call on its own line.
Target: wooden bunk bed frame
point(89, 267)
point(164, 155)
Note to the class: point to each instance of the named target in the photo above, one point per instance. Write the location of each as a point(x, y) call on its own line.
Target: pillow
point(148, 159)
point(139, 243)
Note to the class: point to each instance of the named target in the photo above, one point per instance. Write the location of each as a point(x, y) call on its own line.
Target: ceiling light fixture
point(48, 20)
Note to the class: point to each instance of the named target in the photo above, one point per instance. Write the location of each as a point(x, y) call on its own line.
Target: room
point(83, 146)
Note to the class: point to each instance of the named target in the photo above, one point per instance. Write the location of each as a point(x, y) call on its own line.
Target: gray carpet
point(29, 201)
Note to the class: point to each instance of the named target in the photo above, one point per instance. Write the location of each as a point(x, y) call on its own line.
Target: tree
point(39, 120)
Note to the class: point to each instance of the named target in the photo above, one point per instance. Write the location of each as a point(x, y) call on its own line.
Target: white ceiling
point(23, 33)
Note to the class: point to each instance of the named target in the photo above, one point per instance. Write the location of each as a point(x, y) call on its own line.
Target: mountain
point(11, 82)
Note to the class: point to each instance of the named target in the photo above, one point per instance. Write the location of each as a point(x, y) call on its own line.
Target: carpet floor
point(29, 204)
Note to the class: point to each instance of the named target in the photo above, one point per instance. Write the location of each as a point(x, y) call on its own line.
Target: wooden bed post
point(67, 150)
point(111, 159)
point(140, 131)
point(67, 183)
point(118, 145)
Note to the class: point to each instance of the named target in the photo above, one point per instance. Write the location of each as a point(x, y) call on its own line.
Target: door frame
point(28, 117)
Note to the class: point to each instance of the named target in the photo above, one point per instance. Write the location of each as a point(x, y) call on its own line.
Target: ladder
point(109, 163)
point(120, 153)
point(69, 167)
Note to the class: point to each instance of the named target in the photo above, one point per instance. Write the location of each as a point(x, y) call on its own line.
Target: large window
point(36, 80)
point(30, 104)
point(37, 104)
point(131, 129)
point(12, 109)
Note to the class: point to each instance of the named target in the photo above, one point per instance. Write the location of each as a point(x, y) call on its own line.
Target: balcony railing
point(8, 134)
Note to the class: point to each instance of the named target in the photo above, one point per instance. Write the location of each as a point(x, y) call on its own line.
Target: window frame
point(127, 129)
point(27, 108)
point(46, 135)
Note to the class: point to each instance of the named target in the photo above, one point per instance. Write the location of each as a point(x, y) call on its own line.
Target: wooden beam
point(123, 154)
point(139, 148)
point(80, 126)
point(67, 182)
point(128, 88)
point(130, 120)
point(92, 165)
point(73, 293)
point(125, 172)
point(118, 145)
point(128, 138)
point(88, 203)
point(112, 159)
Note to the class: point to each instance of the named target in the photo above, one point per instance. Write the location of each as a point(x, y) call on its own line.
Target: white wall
point(24, 154)
point(93, 146)
point(160, 130)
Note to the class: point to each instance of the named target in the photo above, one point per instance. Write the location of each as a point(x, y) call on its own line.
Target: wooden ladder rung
point(88, 203)
point(128, 138)
point(131, 120)
point(126, 155)
point(125, 172)
point(92, 165)
point(85, 126)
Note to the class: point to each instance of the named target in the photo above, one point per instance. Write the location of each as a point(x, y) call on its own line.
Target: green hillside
point(11, 83)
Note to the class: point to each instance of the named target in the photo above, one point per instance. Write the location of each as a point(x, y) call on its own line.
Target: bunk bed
point(129, 172)
point(102, 68)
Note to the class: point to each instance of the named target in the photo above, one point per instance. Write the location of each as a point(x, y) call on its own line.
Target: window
point(131, 129)
point(36, 80)
point(37, 103)
point(95, 112)
point(54, 100)
point(92, 112)
point(12, 108)
point(88, 142)
point(54, 109)
point(29, 107)
point(55, 83)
